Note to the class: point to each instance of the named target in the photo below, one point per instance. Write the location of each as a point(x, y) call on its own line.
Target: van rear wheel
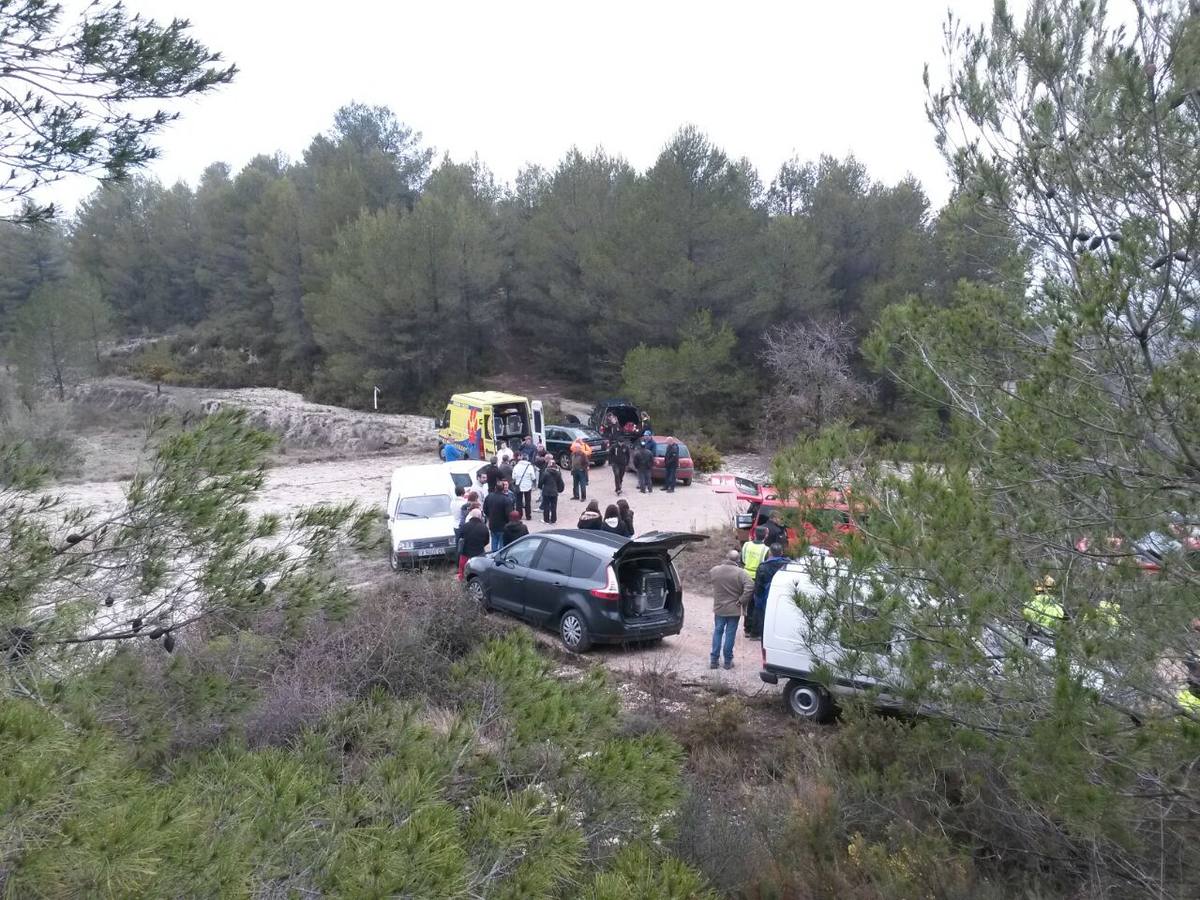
point(808, 701)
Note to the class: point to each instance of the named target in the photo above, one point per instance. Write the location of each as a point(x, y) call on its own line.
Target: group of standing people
point(641, 454)
point(740, 586)
point(493, 515)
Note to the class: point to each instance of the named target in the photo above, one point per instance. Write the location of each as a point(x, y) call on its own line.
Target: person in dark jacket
point(491, 474)
point(670, 465)
point(626, 515)
point(474, 539)
point(496, 509)
point(612, 521)
point(590, 518)
point(514, 529)
point(643, 464)
point(762, 585)
point(776, 533)
point(551, 485)
point(618, 458)
point(645, 423)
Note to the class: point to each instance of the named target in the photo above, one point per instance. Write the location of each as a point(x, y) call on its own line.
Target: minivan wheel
point(808, 701)
point(478, 594)
point(574, 632)
point(394, 561)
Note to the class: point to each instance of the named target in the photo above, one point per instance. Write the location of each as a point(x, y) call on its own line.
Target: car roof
point(584, 539)
point(615, 546)
point(487, 398)
point(429, 475)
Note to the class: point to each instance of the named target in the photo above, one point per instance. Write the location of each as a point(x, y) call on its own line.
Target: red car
point(683, 475)
point(826, 518)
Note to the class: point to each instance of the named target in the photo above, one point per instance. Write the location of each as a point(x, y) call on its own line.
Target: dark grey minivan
point(591, 586)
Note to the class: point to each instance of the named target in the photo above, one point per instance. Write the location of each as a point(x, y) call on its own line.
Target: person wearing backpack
point(671, 465)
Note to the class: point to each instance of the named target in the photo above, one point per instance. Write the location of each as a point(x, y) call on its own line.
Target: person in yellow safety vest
point(755, 551)
point(1188, 698)
point(753, 554)
point(1044, 613)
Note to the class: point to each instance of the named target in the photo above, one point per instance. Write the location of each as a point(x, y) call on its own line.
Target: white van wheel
point(808, 701)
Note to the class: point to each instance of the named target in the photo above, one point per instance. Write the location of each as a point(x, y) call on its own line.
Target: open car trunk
point(648, 587)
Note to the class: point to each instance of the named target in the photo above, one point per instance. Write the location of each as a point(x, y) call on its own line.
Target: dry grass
point(696, 560)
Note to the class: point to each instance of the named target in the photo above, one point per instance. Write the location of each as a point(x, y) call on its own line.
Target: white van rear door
point(539, 422)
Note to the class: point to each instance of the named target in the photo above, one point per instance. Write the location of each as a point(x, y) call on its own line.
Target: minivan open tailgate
point(657, 540)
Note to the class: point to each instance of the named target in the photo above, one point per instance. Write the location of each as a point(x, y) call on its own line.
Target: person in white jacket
point(525, 478)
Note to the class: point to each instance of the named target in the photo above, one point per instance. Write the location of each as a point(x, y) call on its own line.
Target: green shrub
point(525, 788)
point(706, 457)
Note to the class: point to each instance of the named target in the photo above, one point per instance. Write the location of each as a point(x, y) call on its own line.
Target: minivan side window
point(522, 552)
point(584, 565)
point(556, 558)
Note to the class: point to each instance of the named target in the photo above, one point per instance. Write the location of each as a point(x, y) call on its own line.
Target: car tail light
point(611, 592)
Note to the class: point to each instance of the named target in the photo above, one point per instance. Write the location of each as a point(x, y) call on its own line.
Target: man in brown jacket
point(733, 589)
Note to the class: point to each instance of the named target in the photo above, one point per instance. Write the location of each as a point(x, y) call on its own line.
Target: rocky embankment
point(297, 422)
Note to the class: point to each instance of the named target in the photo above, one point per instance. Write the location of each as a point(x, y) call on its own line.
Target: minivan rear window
point(584, 565)
point(555, 558)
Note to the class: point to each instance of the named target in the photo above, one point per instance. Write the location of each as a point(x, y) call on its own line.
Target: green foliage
point(57, 334)
point(705, 457)
point(182, 547)
point(696, 387)
point(1069, 432)
point(412, 293)
point(83, 107)
point(355, 267)
point(378, 798)
point(641, 872)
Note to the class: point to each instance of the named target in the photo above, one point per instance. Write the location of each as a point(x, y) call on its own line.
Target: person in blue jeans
point(670, 465)
point(732, 589)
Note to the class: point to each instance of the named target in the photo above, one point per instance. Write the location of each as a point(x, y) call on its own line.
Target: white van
point(422, 513)
point(807, 653)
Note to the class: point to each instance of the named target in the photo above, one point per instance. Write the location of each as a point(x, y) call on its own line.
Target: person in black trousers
point(618, 458)
point(551, 485)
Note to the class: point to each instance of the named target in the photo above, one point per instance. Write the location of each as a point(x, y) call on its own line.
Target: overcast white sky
point(521, 82)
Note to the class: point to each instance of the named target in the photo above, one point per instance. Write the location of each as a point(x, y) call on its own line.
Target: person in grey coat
point(733, 590)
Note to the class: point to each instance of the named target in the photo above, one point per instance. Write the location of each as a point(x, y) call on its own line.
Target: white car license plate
point(430, 551)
